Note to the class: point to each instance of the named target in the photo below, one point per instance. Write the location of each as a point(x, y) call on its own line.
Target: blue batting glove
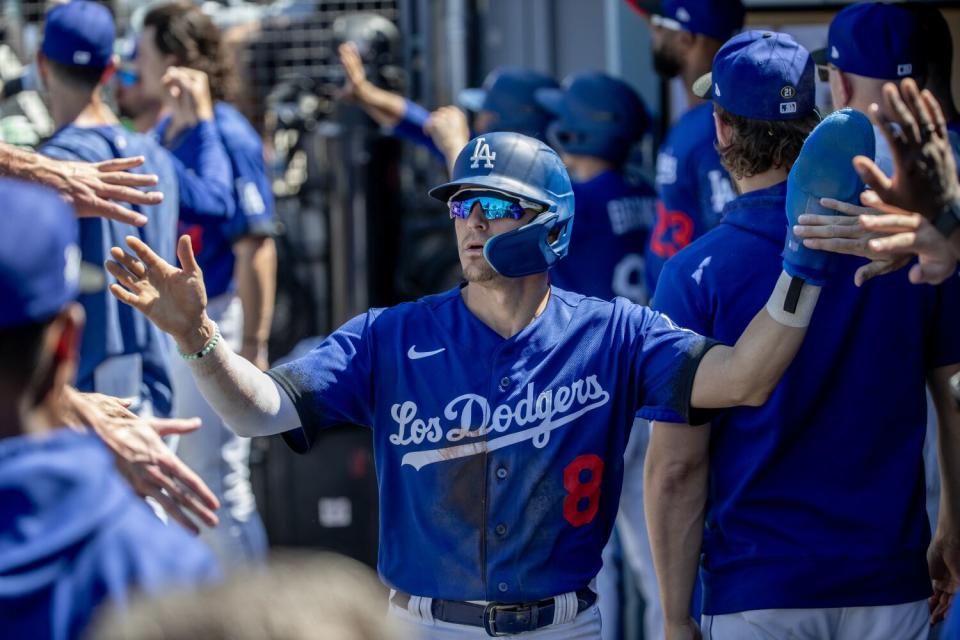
point(824, 169)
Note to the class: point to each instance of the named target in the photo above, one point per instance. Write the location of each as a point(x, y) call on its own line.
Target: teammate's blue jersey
point(252, 210)
point(817, 497)
point(693, 187)
point(75, 537)
point(113, 329)
point(608, 239)
point(499, 461)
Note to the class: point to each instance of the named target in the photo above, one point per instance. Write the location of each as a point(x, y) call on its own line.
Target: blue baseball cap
point(39, 255)
point(79, 33)
point(719, 19)
point(762, 75)
point(509, 93)
point(875, 40)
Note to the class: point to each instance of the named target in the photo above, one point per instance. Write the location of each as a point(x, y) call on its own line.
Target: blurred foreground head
point(299, 596)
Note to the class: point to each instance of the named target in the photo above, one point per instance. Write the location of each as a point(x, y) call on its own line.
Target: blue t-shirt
point(608, 239)
point(816, 499)
point(74, 536)
point(693, 187)
point(251, 195)
point(499, 461)
point(114, 329)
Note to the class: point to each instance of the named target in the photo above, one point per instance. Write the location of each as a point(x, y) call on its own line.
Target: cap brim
point(510, 186)
point(703, 86)
point(472, 99)
point(819, 56)
point(551, 100)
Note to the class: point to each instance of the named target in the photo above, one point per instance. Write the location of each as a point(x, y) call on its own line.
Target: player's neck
point(18, 417)
point(81, 109)
point(759, 181)
point(586, 168)
point(507, 305)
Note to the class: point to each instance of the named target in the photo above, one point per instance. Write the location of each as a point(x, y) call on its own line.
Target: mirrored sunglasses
point(495, 206)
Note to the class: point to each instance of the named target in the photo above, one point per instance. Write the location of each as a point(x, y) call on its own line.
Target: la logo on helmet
point(481, 152)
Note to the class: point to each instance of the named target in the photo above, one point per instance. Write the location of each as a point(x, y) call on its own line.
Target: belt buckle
point(490, 615)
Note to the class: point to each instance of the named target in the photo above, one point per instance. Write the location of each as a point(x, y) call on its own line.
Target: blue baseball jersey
point(75, 536)
point(609, 236)
point(817, 497)
point(499, 461)
point(113, 329)
point(693, 187)
point(251, 195)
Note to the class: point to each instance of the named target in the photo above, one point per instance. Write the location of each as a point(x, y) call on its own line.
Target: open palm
point(173, 299)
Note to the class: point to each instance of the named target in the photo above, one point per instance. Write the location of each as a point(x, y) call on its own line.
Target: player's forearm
point(256, 277)
point(247, 399)
point(747, 373)
point(675, 493)
point(385, 107)
point(948, 451)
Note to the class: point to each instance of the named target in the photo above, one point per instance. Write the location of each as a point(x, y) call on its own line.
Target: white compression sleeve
point(248, 400)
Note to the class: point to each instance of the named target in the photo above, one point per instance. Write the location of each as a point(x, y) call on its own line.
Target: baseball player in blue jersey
point(506, 102)
point(74, 534)
point(692, 185)
point(500, 409)
point(120, 355)
point(815, 524)
point(237, 253)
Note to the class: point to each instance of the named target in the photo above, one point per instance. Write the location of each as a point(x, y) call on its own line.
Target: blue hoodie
point(73, 534)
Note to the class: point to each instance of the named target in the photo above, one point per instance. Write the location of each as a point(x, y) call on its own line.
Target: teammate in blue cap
point(237, 254)
point(500, 409)
point(506, 102)
point(120, 355)
point(74, 534)
point(692, 185)
point(868, 44)
point(815, 524)
point(598, 120)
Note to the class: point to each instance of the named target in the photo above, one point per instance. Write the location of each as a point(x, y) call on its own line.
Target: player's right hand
point(356, 76)
point(173, 299)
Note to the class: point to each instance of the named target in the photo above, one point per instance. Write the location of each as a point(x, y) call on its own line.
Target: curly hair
point(759, 145)
point(190, 36)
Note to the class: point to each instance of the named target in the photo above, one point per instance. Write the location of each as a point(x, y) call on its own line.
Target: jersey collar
point(761, 212)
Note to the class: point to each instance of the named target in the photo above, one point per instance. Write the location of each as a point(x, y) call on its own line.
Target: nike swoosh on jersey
point(413, 354)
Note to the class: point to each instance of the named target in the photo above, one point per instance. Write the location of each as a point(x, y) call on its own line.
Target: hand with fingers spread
point(142, 457)
point(925, 175)
point(90, 187)
point(173, 299)
point(888, 236)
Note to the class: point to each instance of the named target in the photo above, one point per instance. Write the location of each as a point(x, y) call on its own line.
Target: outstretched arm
point(89, 187)
point(175, 300)
point(385, 107)
point(748, 372)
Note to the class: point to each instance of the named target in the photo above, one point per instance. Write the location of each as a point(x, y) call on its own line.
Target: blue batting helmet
point(508, 93)
point(527, 169)
point(596, 115)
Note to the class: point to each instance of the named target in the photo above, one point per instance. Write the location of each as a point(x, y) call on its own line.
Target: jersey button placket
point(503, 587)
point(504, 383)
point(502, 473)
point(501, 529)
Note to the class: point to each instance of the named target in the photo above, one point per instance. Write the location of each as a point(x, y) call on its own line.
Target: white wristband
point(805, 303)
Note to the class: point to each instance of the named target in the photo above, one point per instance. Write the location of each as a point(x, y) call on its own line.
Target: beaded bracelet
point(207, 348)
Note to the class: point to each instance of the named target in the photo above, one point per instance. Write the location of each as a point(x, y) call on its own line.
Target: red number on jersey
point(579, 491)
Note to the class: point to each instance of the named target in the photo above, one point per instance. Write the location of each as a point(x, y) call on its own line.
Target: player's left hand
point(943, 562)
point(142, 457)
point(188, 97)
point(90, 187)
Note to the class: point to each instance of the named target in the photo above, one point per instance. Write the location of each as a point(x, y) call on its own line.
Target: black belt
point(498, 619)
